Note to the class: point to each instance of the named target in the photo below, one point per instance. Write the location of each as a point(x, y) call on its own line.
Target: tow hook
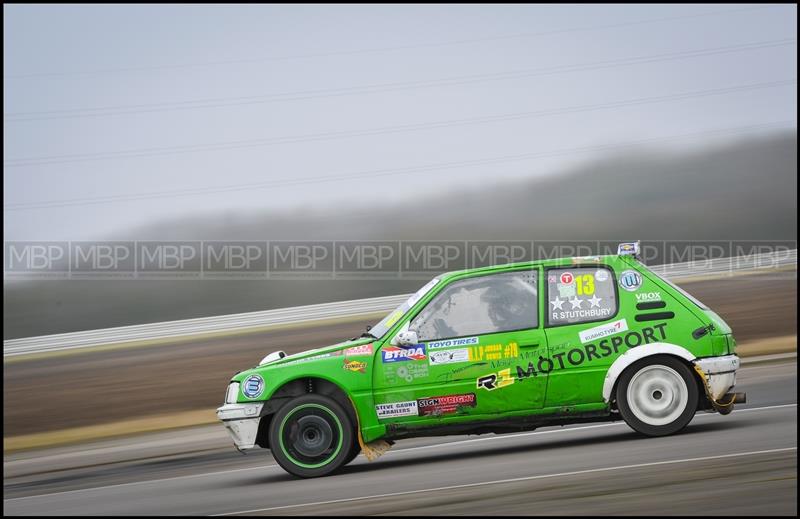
point(725, 404)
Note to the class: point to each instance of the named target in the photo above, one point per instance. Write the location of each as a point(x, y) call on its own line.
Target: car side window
point(481, 305)
point(580, 295)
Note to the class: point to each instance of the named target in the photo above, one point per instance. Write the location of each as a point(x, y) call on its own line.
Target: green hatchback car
point(494, 350)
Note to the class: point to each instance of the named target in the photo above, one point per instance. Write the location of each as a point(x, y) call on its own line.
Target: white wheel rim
point(657, 395)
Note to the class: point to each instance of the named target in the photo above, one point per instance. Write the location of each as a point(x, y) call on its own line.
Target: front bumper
point(720, 373)
point(241, 421)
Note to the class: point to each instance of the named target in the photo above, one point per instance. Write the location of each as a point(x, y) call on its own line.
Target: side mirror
point(406, 338)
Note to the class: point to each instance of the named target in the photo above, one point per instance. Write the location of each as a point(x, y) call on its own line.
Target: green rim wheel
point(312, 436)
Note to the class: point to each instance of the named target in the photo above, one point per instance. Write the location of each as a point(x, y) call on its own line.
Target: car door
point(475, 340)
point(584, 331)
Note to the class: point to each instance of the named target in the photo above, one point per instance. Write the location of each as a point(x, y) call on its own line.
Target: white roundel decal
point(601, 275)
point(253, 386)
point(630, 280)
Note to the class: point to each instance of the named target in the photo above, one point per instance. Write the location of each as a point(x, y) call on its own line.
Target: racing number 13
point(584, 284)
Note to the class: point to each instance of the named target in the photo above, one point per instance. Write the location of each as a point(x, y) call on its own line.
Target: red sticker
point(440, 405)
point(566, 278)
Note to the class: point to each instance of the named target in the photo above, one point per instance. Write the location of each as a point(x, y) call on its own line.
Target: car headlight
point(232, 395)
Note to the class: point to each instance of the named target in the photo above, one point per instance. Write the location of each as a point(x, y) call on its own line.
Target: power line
point(220, 146)
point(34, 75)
point(384, 87)
point(388, 172)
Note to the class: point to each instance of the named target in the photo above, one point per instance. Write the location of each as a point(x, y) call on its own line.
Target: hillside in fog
point(744, 190)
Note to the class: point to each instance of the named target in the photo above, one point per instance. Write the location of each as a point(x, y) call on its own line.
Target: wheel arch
point(641, 352)
point(294, 388)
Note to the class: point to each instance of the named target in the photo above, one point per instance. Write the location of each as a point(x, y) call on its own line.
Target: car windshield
point(380, 329)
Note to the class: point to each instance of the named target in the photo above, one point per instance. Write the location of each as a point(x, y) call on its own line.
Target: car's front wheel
point(311, 436)
point(657, 396)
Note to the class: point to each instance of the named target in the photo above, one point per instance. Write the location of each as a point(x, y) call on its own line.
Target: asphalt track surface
point(741, 464)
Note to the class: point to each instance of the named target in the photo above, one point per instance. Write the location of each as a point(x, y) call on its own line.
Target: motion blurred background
point(382, 122)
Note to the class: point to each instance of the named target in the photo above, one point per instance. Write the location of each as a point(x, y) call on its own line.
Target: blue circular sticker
point(253, 386)
point(630, 280)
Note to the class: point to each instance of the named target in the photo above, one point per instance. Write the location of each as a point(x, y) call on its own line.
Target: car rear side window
point(481, 305)
point(580, 295)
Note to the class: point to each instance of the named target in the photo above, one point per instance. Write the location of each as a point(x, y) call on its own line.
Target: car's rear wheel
point(311, 436)
point(657, 396)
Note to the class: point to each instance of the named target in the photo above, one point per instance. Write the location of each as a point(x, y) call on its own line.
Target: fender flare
point(640, 352)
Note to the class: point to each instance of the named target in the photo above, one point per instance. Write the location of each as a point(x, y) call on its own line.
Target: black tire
point(353, 453)
point(657, 396)
point(312, 436)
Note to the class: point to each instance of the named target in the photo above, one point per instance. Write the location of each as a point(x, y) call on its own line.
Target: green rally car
point(495, 349)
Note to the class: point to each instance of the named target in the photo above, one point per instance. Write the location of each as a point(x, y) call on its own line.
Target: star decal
point(557, 303)
point(595, 301)
point(575, 302)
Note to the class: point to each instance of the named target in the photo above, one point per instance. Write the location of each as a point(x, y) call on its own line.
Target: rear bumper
point(720, 373)
point(241, 421)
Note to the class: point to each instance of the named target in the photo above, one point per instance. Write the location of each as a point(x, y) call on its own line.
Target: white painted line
point(398, 451)
point(513, 480)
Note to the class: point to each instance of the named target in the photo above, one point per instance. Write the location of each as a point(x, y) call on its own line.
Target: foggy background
point(517, 122)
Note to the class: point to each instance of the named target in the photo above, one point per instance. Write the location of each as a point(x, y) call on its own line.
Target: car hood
point(307, 355)
point(320, 351)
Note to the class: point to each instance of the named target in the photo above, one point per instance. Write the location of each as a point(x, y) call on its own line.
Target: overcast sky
point(135, 106)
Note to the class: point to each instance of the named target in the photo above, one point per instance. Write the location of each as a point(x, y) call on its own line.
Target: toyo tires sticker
point(463, 341)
